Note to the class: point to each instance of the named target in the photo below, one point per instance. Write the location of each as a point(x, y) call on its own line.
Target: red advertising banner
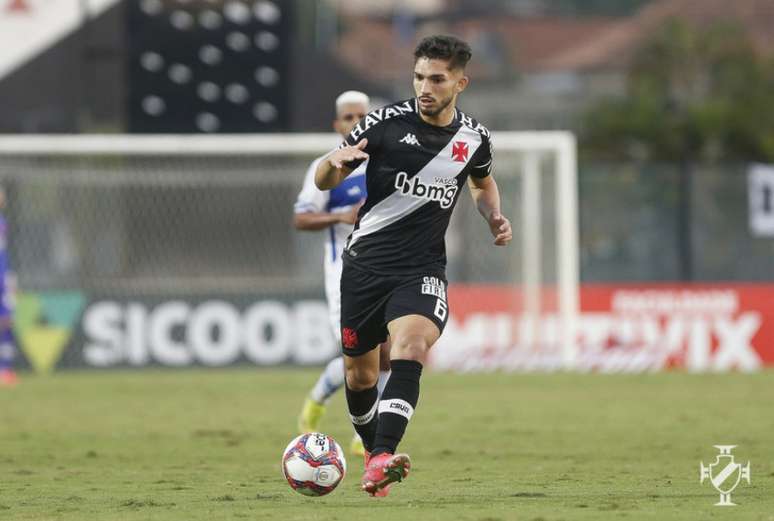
point(621, 328)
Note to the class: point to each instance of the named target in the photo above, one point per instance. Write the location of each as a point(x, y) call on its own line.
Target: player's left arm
point(485, 194)
point(487, 198)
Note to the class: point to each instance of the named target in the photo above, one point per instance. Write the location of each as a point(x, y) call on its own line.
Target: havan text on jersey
point(383, 114)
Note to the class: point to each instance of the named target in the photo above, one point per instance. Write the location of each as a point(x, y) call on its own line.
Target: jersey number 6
point(441, 309)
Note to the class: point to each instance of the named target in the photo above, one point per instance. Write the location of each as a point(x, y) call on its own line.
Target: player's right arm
point(364, 140)
point(332, 170)
point(311, 207)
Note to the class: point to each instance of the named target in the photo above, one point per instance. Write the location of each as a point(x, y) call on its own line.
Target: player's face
point(348, 116)
point(436, 86)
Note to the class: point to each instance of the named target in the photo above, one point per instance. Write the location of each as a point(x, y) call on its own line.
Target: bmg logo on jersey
point(440, 192)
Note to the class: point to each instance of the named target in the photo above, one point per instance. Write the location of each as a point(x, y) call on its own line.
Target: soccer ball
point(313, 464)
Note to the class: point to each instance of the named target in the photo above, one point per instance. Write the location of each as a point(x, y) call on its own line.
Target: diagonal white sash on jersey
point(397, 205)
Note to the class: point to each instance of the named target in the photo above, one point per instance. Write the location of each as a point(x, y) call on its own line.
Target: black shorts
point(369, 302)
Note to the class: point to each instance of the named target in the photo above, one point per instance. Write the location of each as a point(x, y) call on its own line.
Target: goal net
point(180, 250)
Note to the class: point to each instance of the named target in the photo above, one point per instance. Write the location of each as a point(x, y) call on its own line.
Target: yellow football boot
point(311, 414)
point(356, 447)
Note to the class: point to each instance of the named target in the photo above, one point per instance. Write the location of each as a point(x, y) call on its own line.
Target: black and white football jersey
point(415, 174)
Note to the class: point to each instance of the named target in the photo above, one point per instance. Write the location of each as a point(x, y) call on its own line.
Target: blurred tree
point(692, 94)
point(594, 7)
point(572, 8)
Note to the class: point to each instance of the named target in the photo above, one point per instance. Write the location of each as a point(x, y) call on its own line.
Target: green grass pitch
point(190, 445)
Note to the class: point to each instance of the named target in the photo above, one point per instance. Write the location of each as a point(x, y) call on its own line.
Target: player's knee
point(413, 347)
point(384, 356)
point(361, 378)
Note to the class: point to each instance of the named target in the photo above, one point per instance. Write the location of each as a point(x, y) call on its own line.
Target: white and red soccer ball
point(314, 464)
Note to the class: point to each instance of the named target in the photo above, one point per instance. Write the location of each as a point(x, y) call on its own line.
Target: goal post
point(534, 146)
point(204, 214)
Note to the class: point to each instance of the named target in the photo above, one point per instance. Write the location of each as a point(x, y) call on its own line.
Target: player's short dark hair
point(444, 47)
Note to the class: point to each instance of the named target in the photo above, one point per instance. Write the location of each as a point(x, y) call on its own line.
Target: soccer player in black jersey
point(420, 154)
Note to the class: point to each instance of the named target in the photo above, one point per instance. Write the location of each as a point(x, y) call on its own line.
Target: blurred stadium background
point(120, 256)
point(151, 152)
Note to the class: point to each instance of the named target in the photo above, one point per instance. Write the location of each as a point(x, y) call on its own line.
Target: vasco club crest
point(725, 474)
point(460, 151)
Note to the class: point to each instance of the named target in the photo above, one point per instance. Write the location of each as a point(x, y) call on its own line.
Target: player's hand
point(347, 154)
point(350, 216)
point(500, 228)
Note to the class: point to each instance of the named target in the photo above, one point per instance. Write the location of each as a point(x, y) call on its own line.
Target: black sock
point(397, 404)
point(362, 412)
